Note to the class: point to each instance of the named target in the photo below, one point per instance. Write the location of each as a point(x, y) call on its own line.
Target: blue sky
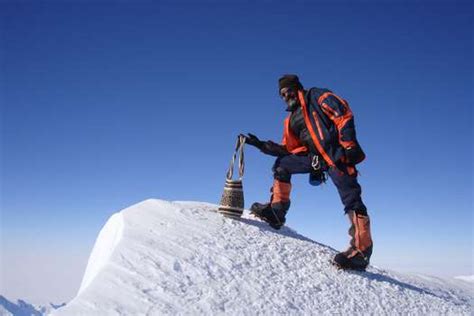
point(105, 105)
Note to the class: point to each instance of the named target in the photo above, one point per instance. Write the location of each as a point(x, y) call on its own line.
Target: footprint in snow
point(177, 266)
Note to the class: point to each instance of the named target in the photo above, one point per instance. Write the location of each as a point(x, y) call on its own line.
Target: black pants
point(347, 185)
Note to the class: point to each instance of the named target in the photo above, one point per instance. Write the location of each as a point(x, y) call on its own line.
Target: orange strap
point(311, 130)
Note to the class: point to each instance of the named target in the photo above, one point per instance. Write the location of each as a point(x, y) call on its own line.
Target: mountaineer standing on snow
point(319, 138)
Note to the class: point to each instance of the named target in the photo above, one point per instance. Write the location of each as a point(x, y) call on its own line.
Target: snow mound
point(160, 257)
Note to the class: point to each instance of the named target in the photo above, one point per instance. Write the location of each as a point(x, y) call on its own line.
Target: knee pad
point(281, 174)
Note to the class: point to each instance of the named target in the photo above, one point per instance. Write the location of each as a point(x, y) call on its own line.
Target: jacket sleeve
point(274, 149)
point(339, 112)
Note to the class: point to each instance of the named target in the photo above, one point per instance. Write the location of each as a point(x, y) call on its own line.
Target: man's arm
point(268, 147)
point(339, 112)
point(274, 149)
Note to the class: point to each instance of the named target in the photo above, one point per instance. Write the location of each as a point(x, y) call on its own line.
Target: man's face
point(290, 96)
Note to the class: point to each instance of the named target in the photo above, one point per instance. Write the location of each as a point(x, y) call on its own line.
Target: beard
point(292, 105)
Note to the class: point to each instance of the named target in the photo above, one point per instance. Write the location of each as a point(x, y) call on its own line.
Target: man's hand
point(354, 154)
point(253, 140)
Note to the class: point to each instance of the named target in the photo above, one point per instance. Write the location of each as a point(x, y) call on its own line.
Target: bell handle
point(239, 150)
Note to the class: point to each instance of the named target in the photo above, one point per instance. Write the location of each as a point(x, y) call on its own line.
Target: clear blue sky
point(106, 105)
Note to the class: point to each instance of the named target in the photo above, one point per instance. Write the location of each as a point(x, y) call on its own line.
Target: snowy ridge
point(108, 239)
point(160, 257)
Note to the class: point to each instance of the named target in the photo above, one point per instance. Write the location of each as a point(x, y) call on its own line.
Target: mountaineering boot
point(274, 212)
point(275, 217)
point(357, 257)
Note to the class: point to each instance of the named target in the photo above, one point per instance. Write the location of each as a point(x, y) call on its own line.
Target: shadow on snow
point(373, 276)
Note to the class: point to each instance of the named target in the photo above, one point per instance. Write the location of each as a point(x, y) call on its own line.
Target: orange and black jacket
point(330, 128)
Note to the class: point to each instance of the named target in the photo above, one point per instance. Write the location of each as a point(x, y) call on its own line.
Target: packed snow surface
point(159, 257)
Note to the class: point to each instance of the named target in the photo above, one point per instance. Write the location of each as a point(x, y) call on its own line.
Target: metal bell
point(232, 200)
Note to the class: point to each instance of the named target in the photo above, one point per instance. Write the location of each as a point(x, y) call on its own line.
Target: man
point(319, 138)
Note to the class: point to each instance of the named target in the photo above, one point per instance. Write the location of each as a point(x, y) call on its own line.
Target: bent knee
point(281, 174)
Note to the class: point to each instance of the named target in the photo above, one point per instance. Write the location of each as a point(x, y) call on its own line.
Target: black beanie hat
point(290, 81)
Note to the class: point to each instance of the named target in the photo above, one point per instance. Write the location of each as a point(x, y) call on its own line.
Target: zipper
point(318, 126)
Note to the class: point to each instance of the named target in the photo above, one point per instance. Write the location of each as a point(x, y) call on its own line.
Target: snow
point(4, 311)
point(466, 278)
point(108, 239)
point(160, 258)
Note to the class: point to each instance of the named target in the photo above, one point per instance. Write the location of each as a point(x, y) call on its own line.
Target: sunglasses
point(286, 93)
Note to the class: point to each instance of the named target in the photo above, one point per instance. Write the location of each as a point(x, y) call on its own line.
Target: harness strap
point(318, 145)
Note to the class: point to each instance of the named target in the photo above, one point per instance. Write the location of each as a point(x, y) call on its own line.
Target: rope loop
point(239, 150)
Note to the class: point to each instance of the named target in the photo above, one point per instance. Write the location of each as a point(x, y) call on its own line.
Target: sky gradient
point(106, 105)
